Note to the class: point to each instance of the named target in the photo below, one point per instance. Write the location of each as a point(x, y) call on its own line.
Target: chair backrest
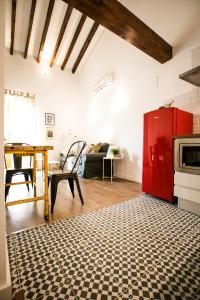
point(74, 152)
point(17, 159)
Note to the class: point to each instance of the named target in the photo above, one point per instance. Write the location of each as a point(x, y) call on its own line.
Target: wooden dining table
point(32, 151)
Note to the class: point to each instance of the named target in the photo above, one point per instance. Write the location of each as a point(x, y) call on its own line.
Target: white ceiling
point(173, 20)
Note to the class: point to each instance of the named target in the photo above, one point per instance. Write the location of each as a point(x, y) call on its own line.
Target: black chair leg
point(54, 187)
point(26, 177)
point(8, 180)
point(71, 185)
point(31, 176)
point(49, 180)
point(79, 189)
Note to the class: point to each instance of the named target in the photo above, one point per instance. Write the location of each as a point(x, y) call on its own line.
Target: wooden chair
point(70, 173)
point(18, 168)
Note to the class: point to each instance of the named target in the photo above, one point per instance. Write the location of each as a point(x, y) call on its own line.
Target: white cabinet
point(187, 189)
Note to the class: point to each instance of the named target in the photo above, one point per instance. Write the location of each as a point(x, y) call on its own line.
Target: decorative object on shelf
point(49, 119)
point(113, 151)
point(49, 133)
point(166, 105)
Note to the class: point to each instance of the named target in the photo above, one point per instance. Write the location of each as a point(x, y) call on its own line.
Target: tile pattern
point(140, 249)
point(189, 101)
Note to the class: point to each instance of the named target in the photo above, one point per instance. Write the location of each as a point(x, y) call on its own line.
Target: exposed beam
point(13, 18)
point(61, 34)
point(85, 46)
point(32, 12)
point(114, 16)
point(74, 39)
point(46, 26)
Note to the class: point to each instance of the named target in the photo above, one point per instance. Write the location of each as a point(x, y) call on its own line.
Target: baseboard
point(129, 177)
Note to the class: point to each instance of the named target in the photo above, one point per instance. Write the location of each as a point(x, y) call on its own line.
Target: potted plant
point(115, 151)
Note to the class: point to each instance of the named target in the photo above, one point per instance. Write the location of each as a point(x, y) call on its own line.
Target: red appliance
point(158, 164)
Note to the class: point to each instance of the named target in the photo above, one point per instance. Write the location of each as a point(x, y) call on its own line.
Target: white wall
point(56, 93)
point(5, 284)
point(140, 84)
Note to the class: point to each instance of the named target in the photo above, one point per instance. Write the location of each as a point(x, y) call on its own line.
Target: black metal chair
point(18, 168)
point(70, 174)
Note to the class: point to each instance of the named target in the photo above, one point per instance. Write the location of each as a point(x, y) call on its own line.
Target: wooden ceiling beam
point(85, 46)
point(32, 13)
point(114, 16)
point(74, 39)
point(45, 30)
point(13, 19)
point(61, 33)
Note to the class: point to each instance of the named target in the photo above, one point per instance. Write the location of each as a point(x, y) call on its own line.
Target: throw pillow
point(104, 147)
point(96, 148)
point(87, 149)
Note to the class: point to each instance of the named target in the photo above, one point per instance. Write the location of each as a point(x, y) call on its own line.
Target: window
point(19, 117)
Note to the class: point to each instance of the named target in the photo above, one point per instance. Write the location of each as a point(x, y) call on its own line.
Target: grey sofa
point(91, 164)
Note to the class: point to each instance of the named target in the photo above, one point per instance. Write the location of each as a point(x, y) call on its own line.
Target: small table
point(111, 158)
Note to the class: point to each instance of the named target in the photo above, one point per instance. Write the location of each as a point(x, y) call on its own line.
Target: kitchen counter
point(195, 135)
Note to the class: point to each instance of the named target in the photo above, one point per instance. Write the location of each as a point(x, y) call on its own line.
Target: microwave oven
point(187, 155)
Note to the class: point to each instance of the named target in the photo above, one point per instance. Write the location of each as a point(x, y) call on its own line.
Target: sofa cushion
point(94, 157)
point(91, 165)
point(104, 147)
point(96, 148)
point(87, 149)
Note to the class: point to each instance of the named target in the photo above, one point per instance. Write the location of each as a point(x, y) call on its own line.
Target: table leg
point(103, 169)
point(46, 197)
point(42, 167)
point(111, 170)
point(34, 174)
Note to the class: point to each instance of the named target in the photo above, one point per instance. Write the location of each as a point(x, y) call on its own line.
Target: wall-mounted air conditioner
point(103, 83)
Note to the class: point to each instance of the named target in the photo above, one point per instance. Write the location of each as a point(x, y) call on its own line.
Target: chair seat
point(17, 171)
point(60, 172)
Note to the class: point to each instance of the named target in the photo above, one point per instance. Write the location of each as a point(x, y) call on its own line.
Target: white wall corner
point(6, 288)
point(5, 281)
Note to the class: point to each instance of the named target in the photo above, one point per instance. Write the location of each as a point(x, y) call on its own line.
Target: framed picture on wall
point(49, 119)
point(49, 133)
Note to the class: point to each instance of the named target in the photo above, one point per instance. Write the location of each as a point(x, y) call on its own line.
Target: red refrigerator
point(158, 165)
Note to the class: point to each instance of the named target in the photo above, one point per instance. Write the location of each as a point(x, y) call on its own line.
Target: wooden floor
point(96, 194)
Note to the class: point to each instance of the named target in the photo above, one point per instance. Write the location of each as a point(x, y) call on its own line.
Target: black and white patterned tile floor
point(140, 249)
